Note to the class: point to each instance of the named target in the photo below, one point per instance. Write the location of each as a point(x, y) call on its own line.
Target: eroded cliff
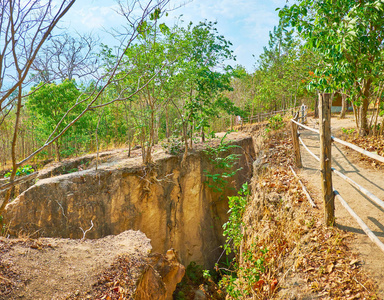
point(170, 203)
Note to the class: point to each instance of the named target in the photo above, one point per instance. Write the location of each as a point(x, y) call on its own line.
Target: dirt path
point(348, 163)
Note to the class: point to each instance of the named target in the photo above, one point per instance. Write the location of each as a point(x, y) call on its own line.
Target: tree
point(281, 73)
point(24, 28)
point(198, 77)
point(348, 35)
point(65, 57)
point(148, 58)
point(48, 103)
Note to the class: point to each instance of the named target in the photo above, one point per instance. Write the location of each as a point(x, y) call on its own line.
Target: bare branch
point(85, 231)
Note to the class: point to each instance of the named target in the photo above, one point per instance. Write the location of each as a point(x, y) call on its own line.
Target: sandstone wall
point(169, 203)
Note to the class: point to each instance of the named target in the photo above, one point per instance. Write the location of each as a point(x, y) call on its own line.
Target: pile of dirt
point(52, 268)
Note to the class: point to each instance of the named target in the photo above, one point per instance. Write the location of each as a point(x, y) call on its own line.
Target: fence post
point(295, 142)
point(326, 158)
point(303, 113)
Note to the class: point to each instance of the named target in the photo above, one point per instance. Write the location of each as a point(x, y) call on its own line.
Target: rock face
point(171, 204)
point(160, 277)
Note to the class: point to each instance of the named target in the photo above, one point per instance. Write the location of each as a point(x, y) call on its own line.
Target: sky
point(246, 23)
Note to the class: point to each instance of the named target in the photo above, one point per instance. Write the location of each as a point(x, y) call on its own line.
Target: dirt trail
point(346, 161)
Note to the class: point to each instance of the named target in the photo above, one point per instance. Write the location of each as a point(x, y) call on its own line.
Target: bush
point(21, 171)
point(276, 122)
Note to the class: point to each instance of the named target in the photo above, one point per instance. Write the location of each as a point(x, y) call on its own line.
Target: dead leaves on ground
point(116, 283)
point(298, 244)
point(373, 144)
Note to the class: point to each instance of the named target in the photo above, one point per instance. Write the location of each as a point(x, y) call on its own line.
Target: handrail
point(363, 226)
point(328, 192)
point(304, 189)
point(354, 147)
point(360, 150)
point(360, 188)
point(306, 148)
point(257, 116)
point(367, 193)
point(306, 127)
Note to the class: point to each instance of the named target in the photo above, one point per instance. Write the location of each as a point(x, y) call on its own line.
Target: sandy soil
point(348, 162)
point(59, 268)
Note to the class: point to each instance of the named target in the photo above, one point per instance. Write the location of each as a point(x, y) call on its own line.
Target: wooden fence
point(328, 193)
point(260, 117)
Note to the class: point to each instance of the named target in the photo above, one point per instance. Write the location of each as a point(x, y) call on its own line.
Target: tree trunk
point(191, 140)
point(57, 148)
point(202, 134)
point(364, 128)
point(316, 115)
point(326, 158)
point(343, 105)
point(356, 115)
point(185, 136)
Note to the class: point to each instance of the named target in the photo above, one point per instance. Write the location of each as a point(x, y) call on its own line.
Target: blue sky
point(246, 23)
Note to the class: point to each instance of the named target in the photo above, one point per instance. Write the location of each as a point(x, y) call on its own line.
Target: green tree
point(49, 102)
point(198, 78)
point(348, 36)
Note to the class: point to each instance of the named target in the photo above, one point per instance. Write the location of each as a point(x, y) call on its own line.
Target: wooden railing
point(328, 193)
point(260, 117)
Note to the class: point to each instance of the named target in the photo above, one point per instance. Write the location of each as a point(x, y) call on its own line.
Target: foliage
point(276, 122)
point(174, 146)
point(347, 131)
point(253, 260)
point(49, 104)
point(21, 171)
point(234, 227)
point(223, 163)
point(197, 80)
point(196, 277)
point(255, 266)
point(348, 36)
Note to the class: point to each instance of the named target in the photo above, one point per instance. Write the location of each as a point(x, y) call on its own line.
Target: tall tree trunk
point(316, 107)
point(375, 115)
point(167, 131)
point(343, 106)
point(356, 115)
point(364, 128)
point(57, 148)
point(191, 140)
point(185, 136)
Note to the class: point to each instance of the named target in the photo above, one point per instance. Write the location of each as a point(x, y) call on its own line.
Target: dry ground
point(61, 268)
point(352, 165)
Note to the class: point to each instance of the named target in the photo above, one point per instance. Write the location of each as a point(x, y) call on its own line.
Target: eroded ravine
point(171, 204)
